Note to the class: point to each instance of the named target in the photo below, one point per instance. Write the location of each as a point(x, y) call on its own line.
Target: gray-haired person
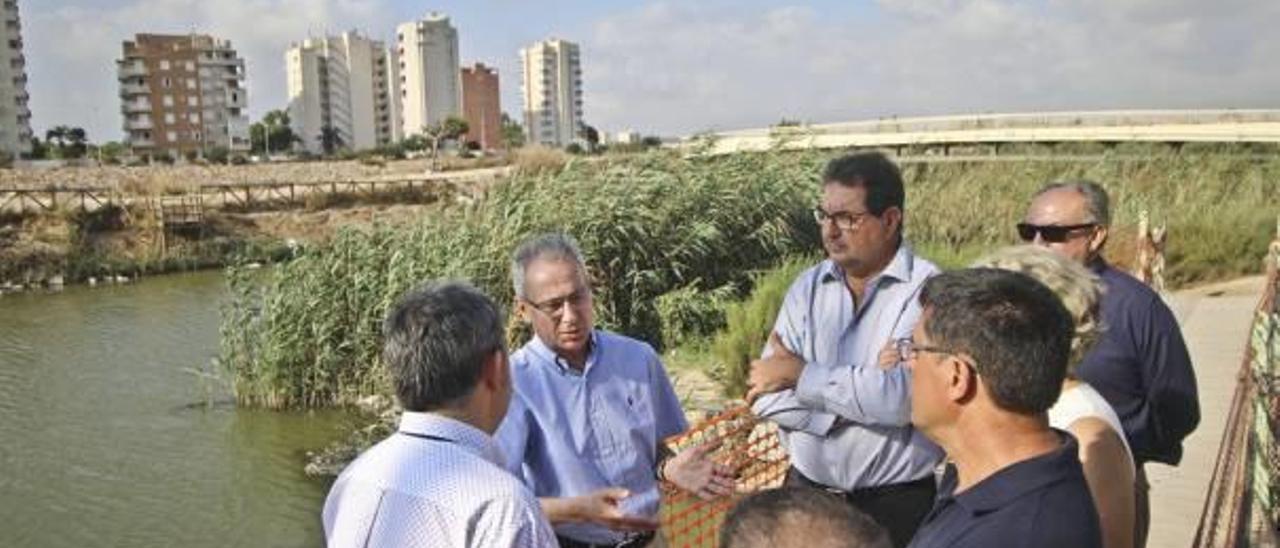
point(591, 410)
point(1140, 364)
point(440, 479)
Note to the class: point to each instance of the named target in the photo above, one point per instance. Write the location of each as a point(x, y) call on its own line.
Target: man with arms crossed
point(846, 419)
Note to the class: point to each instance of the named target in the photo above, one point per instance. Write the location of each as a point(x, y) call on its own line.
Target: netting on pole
point(748, 445)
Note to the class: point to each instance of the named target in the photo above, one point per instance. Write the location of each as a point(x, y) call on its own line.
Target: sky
point(676, 68)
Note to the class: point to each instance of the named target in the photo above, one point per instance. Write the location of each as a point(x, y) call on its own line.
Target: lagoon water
point(108, 439)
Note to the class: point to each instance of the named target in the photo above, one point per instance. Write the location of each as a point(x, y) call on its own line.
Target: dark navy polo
point(1039, 502)
point(1141, 367)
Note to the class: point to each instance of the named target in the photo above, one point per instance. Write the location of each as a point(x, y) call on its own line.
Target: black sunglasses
point(1054, 234)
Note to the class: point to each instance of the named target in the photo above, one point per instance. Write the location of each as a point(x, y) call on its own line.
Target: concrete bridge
point(1173, 127)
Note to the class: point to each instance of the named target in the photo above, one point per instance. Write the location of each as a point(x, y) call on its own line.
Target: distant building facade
point(341, 86)
point(427, 73)
point(552, 92)
point(481, 107)
point(15, 114)
point(182, 95)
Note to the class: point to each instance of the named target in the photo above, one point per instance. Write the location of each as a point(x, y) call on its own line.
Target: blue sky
point(675, 68)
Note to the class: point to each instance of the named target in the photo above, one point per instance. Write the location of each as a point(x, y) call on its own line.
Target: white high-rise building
point(552, 92)
point(15, 116)
point(342, 83)
point(429, 73)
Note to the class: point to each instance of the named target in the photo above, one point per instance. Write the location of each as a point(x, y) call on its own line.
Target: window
point(164, 64)
point(168, 100)
point(191, 66)
point(171, 136)
point(166, 82)
point(169, 118)
point(194, 117)
point(191, 83)
point(192, 101)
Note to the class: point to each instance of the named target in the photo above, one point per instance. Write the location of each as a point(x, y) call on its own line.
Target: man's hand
point(779, 371)
point(603, 507)
point(694, 471)
point(889, 357)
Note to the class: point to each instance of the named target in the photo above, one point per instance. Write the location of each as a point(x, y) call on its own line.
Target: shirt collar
point(1018, 479)
point(549, 356)
point(899, 268)
point(453, 431)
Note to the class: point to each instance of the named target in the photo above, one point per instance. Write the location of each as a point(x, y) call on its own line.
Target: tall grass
point(307, 334)
point(671, 241)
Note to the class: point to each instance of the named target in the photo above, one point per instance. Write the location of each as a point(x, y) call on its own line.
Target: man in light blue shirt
point(440, 479)
point(591, 410)
point(843, 409)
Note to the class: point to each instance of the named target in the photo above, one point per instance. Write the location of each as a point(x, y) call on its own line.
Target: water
point(105, 440)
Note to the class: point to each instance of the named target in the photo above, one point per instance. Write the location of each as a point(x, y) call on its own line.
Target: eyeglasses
point(1055, 234)
point(908, 348)
point(554, 308)
point(843, 220)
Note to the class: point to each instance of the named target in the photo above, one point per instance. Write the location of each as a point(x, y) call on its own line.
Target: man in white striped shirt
point(439, 480)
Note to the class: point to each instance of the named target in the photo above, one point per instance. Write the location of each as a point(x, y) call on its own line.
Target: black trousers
point(633, 542)
point(898, 507)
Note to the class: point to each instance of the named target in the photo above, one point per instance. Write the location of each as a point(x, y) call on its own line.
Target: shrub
point(748, 323)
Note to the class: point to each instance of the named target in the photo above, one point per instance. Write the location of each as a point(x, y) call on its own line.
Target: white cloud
point(675, 68)
point(678, 67)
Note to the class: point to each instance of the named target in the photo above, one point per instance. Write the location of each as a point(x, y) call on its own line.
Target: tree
point(330, 140)
point(67, 141)
point(591, 136)
point(512, 132)
point(111, 152)
point(273, 133)
point(450, 128)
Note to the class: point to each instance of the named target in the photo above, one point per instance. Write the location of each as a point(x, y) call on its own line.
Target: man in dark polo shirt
point(1140, 363)
point(987, 361)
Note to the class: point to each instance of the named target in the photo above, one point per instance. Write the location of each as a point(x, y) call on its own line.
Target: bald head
point(1069, 218)
point(799, 517)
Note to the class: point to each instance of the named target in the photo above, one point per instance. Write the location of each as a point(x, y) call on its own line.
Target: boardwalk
point(1215, 321)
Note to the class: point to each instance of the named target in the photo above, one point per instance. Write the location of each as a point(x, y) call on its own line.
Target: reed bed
point(672, 242)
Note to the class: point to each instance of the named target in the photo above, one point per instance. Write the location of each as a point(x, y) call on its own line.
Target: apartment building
point(342, 83)
point(15, 115)
point(481, 107)
point(552, 92)
point(427, 72)
point(182, 95)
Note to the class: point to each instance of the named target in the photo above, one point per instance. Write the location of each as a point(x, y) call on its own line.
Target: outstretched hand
point(694, 470)
point(604, 507)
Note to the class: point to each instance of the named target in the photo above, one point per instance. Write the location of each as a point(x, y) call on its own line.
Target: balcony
point(137, 106)
point(133, 69)
point(134, 89)
point(237, 100)
point(138, 124)
point(139, 142)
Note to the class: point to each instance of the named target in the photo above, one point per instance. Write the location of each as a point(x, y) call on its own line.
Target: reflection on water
point(103, 447)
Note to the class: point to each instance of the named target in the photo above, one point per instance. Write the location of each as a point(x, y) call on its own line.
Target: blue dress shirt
point(569, 433)
point(847, 423)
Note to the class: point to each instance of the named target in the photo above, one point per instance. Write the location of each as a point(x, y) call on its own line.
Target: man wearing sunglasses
point(591, 410)
point(1140, 363)
point(846, 419)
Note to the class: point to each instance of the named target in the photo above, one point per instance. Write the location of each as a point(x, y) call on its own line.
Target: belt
point(634, 541)
point(881, 490)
